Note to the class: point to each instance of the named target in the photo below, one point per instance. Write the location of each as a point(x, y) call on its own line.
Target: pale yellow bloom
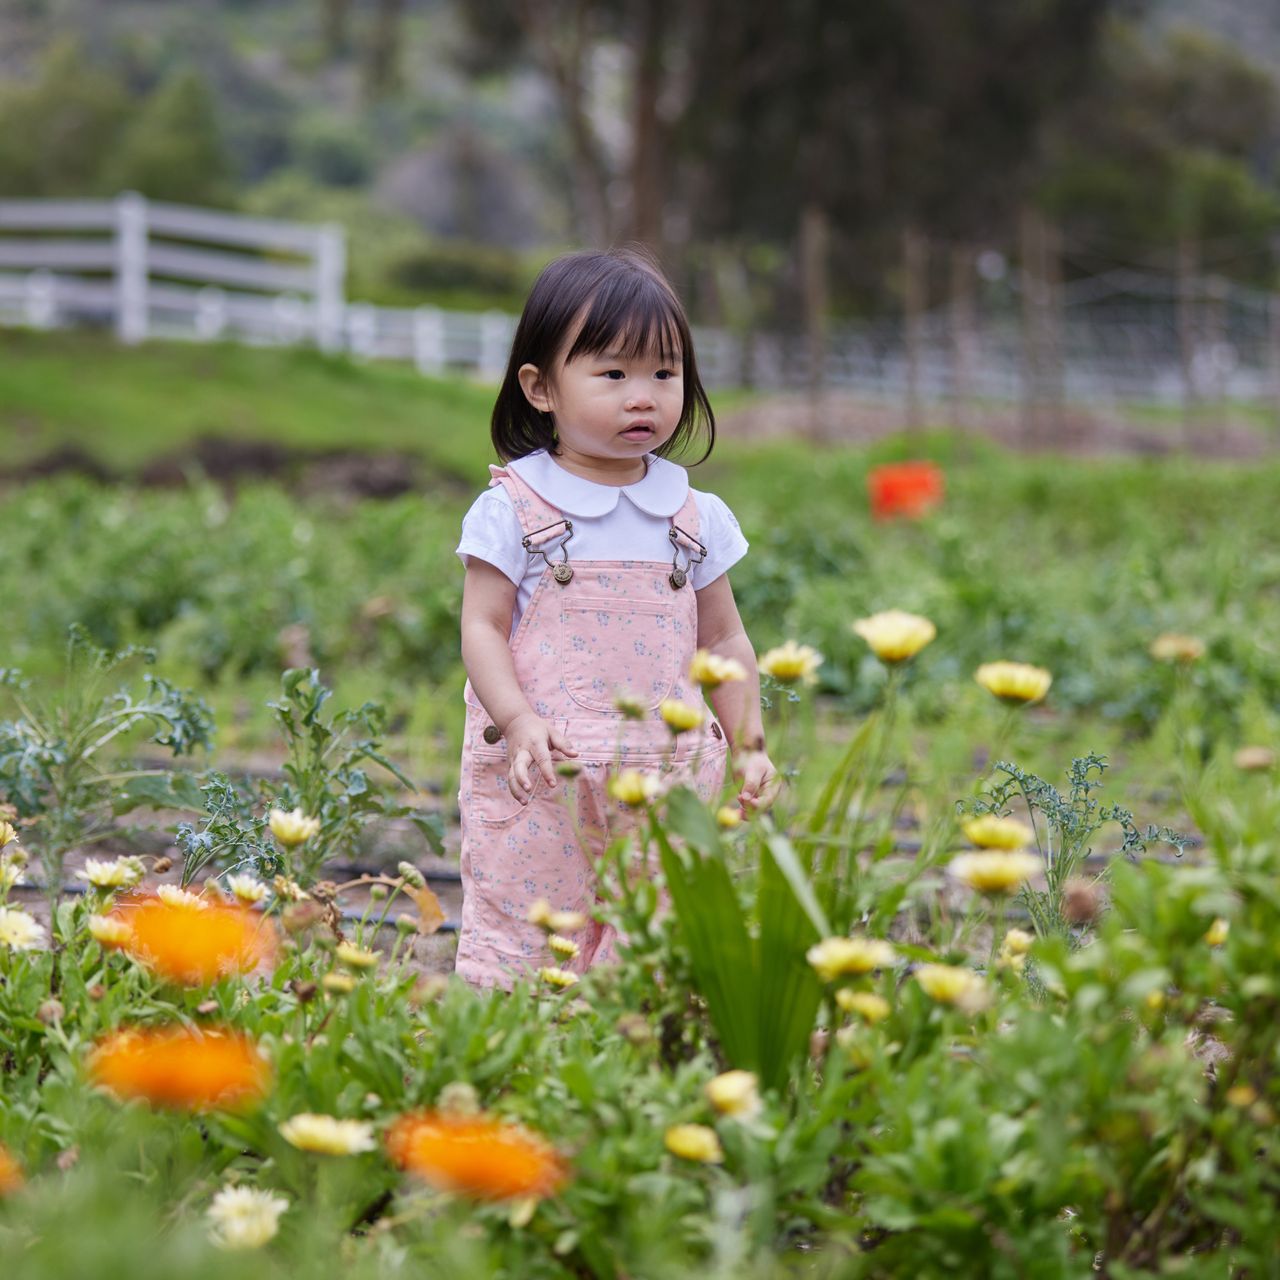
point(10, 874)
point(539, 912)
point(172, 896)
point(630, 707)
point(1014, 682)
point(710, 670)
point(18, 930)
point(993, 832)
point(8, 835)
point(895, 636)
point(1254, 759)
point(735, 1093)
point(728, 816)
point(119, 873)
point(953, 985)
point(565, 948)
point(679, 716)
point(338, 984)
point(1017, 942)
point(631, 787)
point(834, 958)
point(1216, 934)
point(566, 921)
point(1172, 647)
point(791, 662)
point(554, 977)
point(109, 931)
point(994, 871)
point(694, 1142)
point(244, 1217)
point(356, 957)
point(292, 828)
point(326, 1135)
point(866, 1004)
point(247, 889)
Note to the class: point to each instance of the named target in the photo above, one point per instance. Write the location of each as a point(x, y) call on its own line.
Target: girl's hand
point(532, 747)
point(759, 779)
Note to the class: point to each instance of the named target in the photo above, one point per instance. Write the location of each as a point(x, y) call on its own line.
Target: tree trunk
point(382, 62)
point(915, 292)
point(652, 20)
point(814, 239)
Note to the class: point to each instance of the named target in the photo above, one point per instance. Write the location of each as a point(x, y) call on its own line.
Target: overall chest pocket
point(613, 646)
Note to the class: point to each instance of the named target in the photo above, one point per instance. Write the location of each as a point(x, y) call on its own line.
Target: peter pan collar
point(662, 492)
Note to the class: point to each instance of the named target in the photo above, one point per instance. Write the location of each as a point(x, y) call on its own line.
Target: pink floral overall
point(592, 630)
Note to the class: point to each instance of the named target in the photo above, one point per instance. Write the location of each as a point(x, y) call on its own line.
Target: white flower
point(120, 873)
point(244, 1217)
point(247, 889)
point(292, 827)
point(18, 930)
point(172, 896)
point(326, 1135)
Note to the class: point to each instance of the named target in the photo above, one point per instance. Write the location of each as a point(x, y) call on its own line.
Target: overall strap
point(538, 518)
point(686, 519)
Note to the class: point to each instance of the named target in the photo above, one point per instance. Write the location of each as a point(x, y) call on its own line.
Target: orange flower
point(196, 945)
point(476, 1155)
point(181, 1067)
point(908, 489)
point(11, 1178)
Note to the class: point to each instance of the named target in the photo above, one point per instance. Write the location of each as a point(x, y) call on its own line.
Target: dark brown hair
point(627, 306)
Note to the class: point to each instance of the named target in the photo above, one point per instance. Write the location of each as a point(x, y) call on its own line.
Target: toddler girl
point(593, 573)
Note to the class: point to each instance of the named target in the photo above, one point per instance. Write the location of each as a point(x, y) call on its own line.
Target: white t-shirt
point(610, 522)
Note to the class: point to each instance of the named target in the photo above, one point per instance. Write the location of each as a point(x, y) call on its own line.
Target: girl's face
point(609, 409)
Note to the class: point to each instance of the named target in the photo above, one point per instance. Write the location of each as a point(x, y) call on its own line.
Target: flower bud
point(411, 875)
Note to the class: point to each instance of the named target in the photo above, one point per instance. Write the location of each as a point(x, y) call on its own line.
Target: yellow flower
point(631, 787)
point(1172, 647)
point(630, 707)
point(868, 1006)
point(735, 1093)
point(7, 834)
point(728, 816)
point(994, 871)
point(834, 958)
point(539, 912)
point(172, 896)
point(356, 957)
point(679, 716)
point(565, 948)
point(566, 921)
point(327, 1136)
point(18, 930)
point(953, 985)
point(993, 832)
point(1254, 759)
point(110, 931)
point(120, 873)
point(247, 889)
point(1216, 934)
point(292, 828)
point(338, 984)
point(10, 874)
point(244, 1217)
point(1014, 682)
point(895, 636)
point(554, 977)
point(710, 670)
point(1017, 942)
point(694, 1142)
point(791, 662)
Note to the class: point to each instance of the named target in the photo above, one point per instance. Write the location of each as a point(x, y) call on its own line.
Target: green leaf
point(178, 790)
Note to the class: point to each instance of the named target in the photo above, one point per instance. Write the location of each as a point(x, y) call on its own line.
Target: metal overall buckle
point(561, 570)
point(680, 575)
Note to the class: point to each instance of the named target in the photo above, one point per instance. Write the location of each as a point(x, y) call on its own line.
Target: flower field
point(992, 991)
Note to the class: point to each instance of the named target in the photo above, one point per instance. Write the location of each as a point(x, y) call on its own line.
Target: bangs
point(633, 317)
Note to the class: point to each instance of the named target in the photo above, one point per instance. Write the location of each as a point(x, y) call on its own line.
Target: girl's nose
point(638, 400)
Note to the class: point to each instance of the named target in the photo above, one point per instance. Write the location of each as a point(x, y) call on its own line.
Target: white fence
point(150, 269)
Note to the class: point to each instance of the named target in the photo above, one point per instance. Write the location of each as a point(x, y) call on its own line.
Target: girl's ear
point(534, 387)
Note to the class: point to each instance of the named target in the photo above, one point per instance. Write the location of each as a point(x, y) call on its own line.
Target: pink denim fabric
point(617, 626)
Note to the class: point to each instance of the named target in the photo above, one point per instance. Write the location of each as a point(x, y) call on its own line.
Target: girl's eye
point(615, 374)
point(664, 374)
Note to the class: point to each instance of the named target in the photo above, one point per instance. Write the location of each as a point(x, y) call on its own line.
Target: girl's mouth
point(639, 431)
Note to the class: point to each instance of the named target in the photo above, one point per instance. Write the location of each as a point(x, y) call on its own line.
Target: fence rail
point(155, 269)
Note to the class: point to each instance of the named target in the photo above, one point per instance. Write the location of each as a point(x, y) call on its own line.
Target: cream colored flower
point(894, 636)
point(1217, 932)
point(108, 931)
point(1172, 647)
point(247, 889)
point(172, 896)
point(539, 912)
point(728, 816)
point(338, 984)
point(292, 828)
point(631, 787)
point(565, 948)
point(694, 1142)
point(990, 831)
point(994, 871)
point(566, 921)
point(1014, 682)
point(630, 707)
point(326, 1135)
point(710, 670)
point(791, 662)
point(119, 873)
point(10, 874)
point(679, 716)
point(18, 930)
point(244, 1217)
point(868, 1006)
point(1254, 759)
point(356, 957)
point(8, 834)
point(735, 1093)
point(953, 985)
point(554, 977)
point(1017, 942)
point(835, 958)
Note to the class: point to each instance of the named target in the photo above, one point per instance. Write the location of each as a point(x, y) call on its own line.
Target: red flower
point(907, 489)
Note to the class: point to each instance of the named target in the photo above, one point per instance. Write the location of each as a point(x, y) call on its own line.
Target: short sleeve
point(491, 532)
point(720, 534)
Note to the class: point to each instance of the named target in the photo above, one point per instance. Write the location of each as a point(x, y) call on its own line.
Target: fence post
point(331, 269)
point(131, 267)
point(211, 313)
point(428, 340)
point(495, 338)
point(38, 299)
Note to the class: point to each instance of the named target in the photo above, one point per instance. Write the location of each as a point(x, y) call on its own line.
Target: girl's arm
point(737, 702)
point(488, 602)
